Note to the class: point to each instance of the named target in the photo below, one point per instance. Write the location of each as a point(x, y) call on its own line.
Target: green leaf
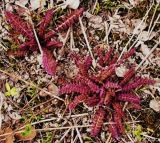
point(8, 87)
point(14, 91)
point(97, 9)
point(137, 133)
point(7, 93)
point(31, 91)
point(27, 130)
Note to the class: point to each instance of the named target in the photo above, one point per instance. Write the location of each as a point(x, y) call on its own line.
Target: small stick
point(87, 42)
point(152, 18)
point(155, 22)
point(78, 133)
point(65, 134)
point(39, 45)
point(108, 139)
point(94, 7)
point(107, 30)
point(145, 58)
point(134, 32)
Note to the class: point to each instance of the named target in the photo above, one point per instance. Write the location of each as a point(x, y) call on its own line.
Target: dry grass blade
point(152, 18)
point(36, 37)
point(65, 134)
point(145, 58)
point(137, 27)
point(87, 42)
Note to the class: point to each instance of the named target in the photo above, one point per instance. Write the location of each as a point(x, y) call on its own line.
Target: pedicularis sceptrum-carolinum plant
point(46, 37)
point(99, 87)
point(103, 89)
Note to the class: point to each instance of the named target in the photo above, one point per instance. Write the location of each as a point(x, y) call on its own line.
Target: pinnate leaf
point(19, 25)
point(49, 62)
point(97, 122)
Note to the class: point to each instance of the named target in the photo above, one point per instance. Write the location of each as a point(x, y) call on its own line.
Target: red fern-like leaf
point(67, 23)
point(102, 95)
point(118, 115)
point(129, 53)
point(118, 109)
point(99, 51)
point(71, 88)
point(87, 62)
point(136, 106)
point(114, 59)
point(17, 53)
point(93, 87)
point(92, 101)
point(114, 131)
point(45, 22)
point(128, 75)
point(138, 83)
point(49, 62)
point(70, 20)
point(118, 121)
point(50, 34)
point(98, 120)
point(107, 72)
point(54, 43)
point(29, 45)
point(110, 84)
point(108, 55)
point(77, 100)
point(106, 58)
point(129, 98)
point(19, 25)
point(108, 96)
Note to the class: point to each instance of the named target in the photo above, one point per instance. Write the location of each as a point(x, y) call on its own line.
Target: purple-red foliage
point(106, 73)
point(54, 43)
point(79, 88)
point(108, 55)
point(92, 101)
point(19, 25)
point(83, 65)
point(49, 62)
point(114, 131)
point(103, 89)
point(26, 29)
point(17, 53)
point(73, 17)
point(93, 87)
point(98, 120)
point(77, 100)
point(138, 83)
point(110, 84)
point(118, 109)
point(118, 116)
point(45, 22)
point(128, 75)
point(129, 97)
point(128, 54)
point(118, 121)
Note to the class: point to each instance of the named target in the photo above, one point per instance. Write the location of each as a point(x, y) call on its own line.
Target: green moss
point(27, 130)
point(32, 91)
point(110, 4)
point(138, 132)
point(97, 9)
point(48, 138)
